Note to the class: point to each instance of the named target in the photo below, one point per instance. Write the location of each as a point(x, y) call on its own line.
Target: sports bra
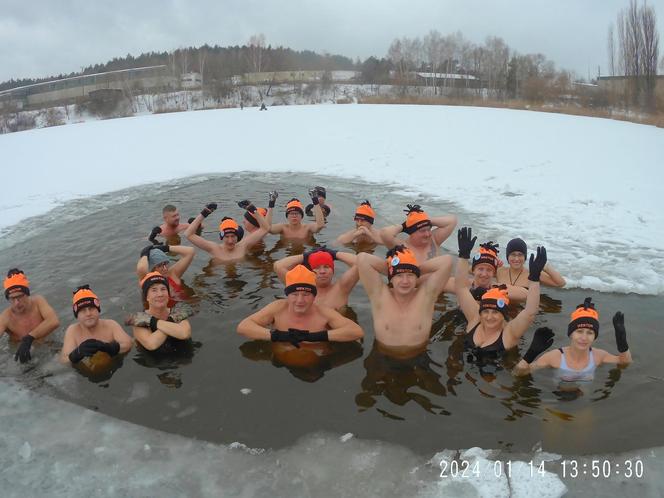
point(496, 347)
point(567, 374)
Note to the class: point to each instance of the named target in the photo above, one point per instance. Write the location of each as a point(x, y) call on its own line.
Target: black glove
point(536, 264)
point(320, 336)
point(294, 336)
point(542, 341)
point(162, 247)
point(112, 348)
point(146, 251)
point(478, 292)
point(86, 348)
point(313, 193)
point(191, 220)
point(326, 249)
point(153, 323)
point(209, 209)
point(465, 242)
point(621, 333)
point(153, 234)
point(245, 204)
point(305, 257)
point(273, 198)
point(23, 351)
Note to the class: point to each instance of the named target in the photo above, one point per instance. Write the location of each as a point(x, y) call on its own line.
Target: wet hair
point(14, 271)
point(169, 208)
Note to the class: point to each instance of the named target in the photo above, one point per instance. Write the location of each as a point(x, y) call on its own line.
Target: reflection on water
point(380, 397)
point(170, 356)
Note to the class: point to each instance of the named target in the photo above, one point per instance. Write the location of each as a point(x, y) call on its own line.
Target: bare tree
point(650, 53)
point(256, 48)
point(611, 51)
point(202, 59)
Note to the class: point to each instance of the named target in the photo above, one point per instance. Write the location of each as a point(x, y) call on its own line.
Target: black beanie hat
point(516, 245)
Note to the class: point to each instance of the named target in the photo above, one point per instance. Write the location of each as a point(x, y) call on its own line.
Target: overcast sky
point(46, 37)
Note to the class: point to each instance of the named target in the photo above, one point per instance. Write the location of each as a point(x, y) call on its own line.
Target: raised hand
point(245, 204)
point(621, 333)
point(542, 340)
point(272, 195)
point(209, 209)
point(153, 234)
point(536, 264)
point(466, 243)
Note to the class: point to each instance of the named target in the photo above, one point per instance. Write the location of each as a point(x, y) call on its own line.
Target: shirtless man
point(515, 276)
point(422, 240)
point(402, 310)
point(171, 225)
point(234, 244)
point(90, 334)
point(250, 222)
point(28, 317)
point(296, 321)
point(295, 229)
point(321, 193)
point(483, 269)
point(321, 261)
point(364, 231)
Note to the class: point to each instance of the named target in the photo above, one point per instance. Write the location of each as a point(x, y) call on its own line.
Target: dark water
point(437, 400)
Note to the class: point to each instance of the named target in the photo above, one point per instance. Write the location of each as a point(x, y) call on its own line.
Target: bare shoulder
point(109, 323)
point(327, 312)
point(73, 330)
point(599, 355)
point(501, 273)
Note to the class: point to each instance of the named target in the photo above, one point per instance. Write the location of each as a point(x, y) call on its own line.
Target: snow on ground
point(586, 188)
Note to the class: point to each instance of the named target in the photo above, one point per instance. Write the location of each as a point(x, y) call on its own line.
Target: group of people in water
point(402, 288)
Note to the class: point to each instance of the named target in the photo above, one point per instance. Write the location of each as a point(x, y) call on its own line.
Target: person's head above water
point(300, 289)
point(584, 317)
point(484, 264)
point(321, 262)
point(82, 298)
point(158, 261)
point(154, 279)
point(230, 232)
point(250, 222)
point(294, 210)
point(495, 299)
point(171, 215)
point(364, 215)
point(416, 220)
point(516, 252)
point(16, 282)
point(403, 269)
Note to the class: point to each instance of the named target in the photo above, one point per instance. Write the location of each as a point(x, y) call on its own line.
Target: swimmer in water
point(488, 330)
point(578, 361)
point(364, 231)
point(160, 326)
point(483, 268)
point(297, 321)
point(154, 258)
point(90, 334)
point(171, 225)
point(330, 293)
point(402, 309)
point(515, 275)
point(28, 317)
point(321, 193)
point(295, 229)
point(234, 244)
point(425, 234)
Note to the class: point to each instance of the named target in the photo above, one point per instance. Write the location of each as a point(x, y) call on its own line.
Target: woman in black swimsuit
point(487, 329)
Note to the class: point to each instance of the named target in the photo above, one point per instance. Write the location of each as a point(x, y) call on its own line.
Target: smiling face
point(582, 338)
point(492, 319)
point(404, 283)
point(421, 237)
point(483, 275)
point(516, 260)
point(157, 296)
point(300, 302)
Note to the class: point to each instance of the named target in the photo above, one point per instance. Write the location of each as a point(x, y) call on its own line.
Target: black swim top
point(496, 347)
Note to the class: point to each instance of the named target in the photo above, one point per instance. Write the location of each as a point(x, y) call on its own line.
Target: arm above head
point(467, 303)
point(318, 225)
point(186, 257)
point(257, 325)
point(445, 225)
point(439, 269)
point(388, 235)
point(624, 356)
point(282, 266)
point(197, 240)
point(371, 269)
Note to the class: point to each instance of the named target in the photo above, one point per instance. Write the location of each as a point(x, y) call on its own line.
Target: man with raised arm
point(250, 223)
point(90, 334)
point(154, 258)
point(297, 320)
point(234, 244)
point(171, 225)
point(425, 234)
point(402, 309)
point(364, 231)
point(295, 229)
point(28, 317)
point(330, 293)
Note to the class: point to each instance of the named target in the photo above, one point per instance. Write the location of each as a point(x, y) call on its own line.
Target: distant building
point(78, 88)
point(191, 80)
point(454, 80)
point(277, 77)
